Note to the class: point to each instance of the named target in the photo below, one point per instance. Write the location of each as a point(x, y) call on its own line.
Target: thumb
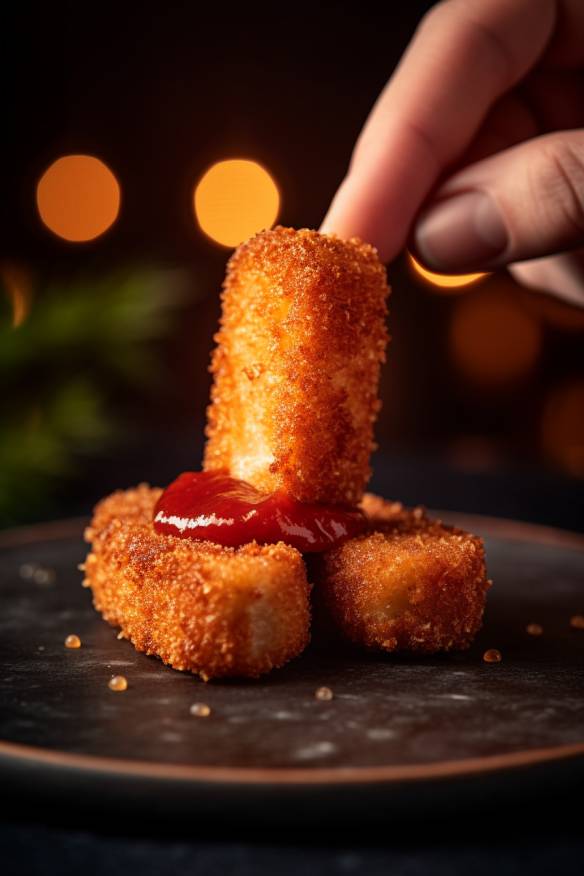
point(523, 203)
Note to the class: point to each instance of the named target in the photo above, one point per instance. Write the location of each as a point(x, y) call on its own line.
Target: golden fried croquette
point(198, 606)
point(296, 366)
point(409, 584)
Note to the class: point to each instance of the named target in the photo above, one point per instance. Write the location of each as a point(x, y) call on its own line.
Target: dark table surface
point(541, 835)
point(544, 836)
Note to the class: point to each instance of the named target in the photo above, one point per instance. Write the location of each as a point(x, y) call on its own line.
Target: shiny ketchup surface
point(212, 506)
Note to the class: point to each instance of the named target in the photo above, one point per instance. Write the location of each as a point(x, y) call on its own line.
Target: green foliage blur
point(77, 344)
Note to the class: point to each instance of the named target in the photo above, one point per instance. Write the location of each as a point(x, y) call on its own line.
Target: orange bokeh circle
point(78, 197)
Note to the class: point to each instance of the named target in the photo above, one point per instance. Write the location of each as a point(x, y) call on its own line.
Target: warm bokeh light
point(446, 284)
point(17, 283)
point(235, 199)
point(492, 338)
point(562, 426)
point(78, 197)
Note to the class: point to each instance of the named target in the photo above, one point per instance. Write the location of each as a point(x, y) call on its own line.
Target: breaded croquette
point(293, 404)
point(409, 584)
point(200, 607)
point(296, 366)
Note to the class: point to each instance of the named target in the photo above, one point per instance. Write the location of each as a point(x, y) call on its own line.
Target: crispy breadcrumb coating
point(198, 606)
point(409, 584)
point(296, 367)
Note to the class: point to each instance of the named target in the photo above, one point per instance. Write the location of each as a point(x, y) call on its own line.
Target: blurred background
point(141, 143)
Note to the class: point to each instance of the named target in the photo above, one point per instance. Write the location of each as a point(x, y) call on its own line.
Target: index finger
point(464, 55)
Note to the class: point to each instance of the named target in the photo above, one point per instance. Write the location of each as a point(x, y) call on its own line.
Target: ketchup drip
point(215, 507)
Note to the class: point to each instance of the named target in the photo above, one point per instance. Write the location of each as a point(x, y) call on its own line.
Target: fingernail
point(461, 232)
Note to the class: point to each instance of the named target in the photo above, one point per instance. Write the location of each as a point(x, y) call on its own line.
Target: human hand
point(474, 151)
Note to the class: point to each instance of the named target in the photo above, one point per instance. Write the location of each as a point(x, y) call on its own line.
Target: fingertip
point(335, 220)
point(346, 218)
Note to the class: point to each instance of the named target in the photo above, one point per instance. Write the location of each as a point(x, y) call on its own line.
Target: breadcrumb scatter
point(324, 694)
point(534, 629)
point(72, 641)
point(200, 710)
point(296, 367)
point(493, 655)
point(408, 584)
point(118, 683)
point(200, 607)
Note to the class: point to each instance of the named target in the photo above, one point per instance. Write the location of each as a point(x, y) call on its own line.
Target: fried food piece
point(198, 606)
point(296, 367)
point(409, 584)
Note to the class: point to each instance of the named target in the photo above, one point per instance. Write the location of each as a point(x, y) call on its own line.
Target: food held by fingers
point(209, 574)
point(202, 607)
point(296, 367)
point(409, 584)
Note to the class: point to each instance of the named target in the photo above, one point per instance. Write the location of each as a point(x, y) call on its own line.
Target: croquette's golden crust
point(198, 606)
point(297, 363)
point(409, 584)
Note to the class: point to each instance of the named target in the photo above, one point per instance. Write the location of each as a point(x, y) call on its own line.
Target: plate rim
point(262, 776)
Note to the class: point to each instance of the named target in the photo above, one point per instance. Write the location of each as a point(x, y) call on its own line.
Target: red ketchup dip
point(212, 506)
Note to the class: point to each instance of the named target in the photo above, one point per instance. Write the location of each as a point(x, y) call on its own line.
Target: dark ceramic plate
point(399, 733)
